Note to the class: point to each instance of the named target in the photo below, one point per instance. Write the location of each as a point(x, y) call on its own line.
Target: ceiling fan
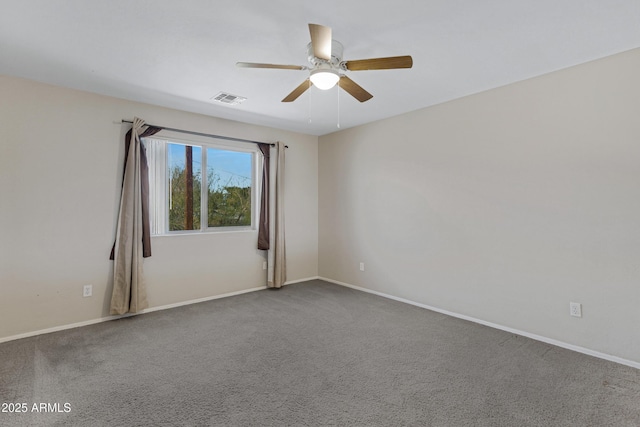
point(327, 67)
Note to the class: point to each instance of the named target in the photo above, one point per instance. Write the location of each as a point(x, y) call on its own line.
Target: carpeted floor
point(310, 354)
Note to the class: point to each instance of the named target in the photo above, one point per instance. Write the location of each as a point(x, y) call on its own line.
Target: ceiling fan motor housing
point(336, 55)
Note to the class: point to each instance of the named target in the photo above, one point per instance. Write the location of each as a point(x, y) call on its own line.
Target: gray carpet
point(311, 354)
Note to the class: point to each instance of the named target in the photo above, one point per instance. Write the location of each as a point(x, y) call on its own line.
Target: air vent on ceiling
point(227, 98)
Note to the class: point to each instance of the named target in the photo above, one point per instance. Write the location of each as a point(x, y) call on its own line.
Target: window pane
point(185, 168)
point(229, 187)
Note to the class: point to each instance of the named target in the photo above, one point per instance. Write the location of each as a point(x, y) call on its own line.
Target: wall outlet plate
point(575, 309)
point(87, 290)
point(362, 266)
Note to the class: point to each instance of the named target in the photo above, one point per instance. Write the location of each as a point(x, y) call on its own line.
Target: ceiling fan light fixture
point(324, 79)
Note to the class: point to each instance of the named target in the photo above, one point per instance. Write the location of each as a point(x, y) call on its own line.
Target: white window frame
point(157, 157)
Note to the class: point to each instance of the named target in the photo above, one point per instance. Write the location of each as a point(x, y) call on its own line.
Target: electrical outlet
point(264, 265)
point(362, 266)
point(575, 309)
point(87, 290)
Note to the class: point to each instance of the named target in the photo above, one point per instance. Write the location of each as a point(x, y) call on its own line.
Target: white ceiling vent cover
point(229, 99)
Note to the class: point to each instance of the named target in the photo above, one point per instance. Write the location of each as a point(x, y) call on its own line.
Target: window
point(200, 187)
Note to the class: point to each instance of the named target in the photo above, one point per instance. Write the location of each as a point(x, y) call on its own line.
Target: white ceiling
point(180, 53)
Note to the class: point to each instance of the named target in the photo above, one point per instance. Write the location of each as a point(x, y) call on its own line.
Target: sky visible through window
point(231, 167)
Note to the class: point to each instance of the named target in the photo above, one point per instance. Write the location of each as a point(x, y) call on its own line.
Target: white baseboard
point(108, 318)
point(551, 341)
point(302, 280)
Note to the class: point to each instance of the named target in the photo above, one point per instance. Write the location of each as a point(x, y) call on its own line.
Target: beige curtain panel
point(132, 241)
point(277, 255)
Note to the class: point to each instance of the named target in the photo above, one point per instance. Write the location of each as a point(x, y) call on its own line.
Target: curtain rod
point(228, 138)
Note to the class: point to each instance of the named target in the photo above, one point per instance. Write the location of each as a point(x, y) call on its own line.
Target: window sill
point(208, 232)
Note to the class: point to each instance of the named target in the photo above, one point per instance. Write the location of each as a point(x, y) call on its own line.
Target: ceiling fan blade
point(321, 41)
point(276, 66)
point(380, 63)
point(354, 89)
point(298, 91)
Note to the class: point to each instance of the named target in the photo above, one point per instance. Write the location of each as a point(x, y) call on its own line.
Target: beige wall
point(503, 206)
point(60, 176)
